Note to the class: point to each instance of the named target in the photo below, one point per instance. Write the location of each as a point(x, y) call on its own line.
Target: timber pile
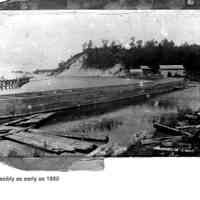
point(173, 138)
point(23, 131)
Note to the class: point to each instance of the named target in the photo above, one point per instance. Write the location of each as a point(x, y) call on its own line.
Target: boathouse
point(172, 70)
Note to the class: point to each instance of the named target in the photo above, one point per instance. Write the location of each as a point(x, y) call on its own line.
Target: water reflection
point(136, 119)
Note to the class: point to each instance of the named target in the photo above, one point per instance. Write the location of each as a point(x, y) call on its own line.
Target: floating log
point(170, 130)
point(51, 143)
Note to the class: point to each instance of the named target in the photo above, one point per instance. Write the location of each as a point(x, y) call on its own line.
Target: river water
point(134, 118)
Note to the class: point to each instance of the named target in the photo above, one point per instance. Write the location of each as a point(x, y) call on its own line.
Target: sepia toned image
point(98, 4)
point(74, 88)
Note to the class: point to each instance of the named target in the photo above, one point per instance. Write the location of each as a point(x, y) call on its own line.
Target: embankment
point(38, 102)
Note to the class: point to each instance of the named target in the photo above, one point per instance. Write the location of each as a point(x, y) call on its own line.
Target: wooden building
point(172, 70)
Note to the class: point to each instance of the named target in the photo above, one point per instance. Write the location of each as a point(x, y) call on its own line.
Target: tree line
point(137, 53)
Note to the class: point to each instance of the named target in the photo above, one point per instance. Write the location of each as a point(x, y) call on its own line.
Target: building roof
point(171, 67)
point(136, 70)
point(145, 67)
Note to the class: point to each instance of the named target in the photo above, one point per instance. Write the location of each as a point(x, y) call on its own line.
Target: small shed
point(172, 70)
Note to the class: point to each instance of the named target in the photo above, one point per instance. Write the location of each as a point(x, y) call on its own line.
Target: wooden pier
point(13, 83)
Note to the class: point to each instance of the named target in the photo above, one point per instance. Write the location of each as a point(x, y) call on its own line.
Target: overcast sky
point(33, 40)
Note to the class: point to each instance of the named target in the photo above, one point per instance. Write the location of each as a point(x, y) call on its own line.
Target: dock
point(24, 104)
point(13, 83)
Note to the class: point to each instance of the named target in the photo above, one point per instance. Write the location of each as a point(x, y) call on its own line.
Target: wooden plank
point(170, 130)
point(51, 143)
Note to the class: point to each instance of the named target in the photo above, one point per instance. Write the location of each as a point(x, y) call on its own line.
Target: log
point(51, 143)
point(160, 140)
point(188, 127)
point(169, 149)
point(169, 130)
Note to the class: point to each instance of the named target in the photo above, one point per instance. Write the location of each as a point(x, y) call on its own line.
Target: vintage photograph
point(98, 4)
point(78, 87)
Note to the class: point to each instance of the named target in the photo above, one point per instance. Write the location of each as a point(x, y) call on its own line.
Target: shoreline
point(23, 104)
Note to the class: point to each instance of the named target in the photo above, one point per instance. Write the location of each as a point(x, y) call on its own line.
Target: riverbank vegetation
point(137, 53)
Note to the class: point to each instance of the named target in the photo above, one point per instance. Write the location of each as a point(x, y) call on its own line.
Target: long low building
point(172, 70)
